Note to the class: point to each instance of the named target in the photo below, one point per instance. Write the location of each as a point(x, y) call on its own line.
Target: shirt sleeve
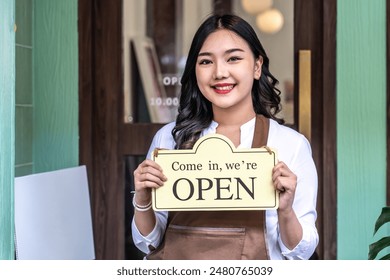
point(305, 201)
point(154, 238)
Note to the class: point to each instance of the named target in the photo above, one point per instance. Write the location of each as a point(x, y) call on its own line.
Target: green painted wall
point(7, 124)
point(361, 123)
point(55, 69)
point(46, 86)
point(24, 88)
point(38, 96)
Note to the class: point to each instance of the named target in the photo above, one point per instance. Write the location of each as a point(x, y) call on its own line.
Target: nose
point(220, 70)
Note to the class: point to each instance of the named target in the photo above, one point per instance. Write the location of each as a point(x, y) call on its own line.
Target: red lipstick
point(223, 88)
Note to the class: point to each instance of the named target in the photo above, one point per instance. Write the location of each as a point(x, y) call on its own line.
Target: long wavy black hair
point(195, 111)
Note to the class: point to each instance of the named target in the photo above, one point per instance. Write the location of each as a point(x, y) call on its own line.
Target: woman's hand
point(147, 176)
point(285, 181)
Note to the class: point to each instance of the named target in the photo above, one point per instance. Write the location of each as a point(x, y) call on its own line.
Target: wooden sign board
point(214, 176)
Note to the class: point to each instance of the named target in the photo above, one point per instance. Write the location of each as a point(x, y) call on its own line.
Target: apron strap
point(260, 139)
point(260, 135)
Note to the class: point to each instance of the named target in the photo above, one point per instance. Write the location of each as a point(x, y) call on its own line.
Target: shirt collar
point(247, 131)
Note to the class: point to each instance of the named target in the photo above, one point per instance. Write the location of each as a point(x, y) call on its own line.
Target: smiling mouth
point(223, 89)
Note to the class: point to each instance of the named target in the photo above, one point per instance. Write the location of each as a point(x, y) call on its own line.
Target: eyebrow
point(226, 52)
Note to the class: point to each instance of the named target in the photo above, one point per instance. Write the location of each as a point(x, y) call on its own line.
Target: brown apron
point(217, 235)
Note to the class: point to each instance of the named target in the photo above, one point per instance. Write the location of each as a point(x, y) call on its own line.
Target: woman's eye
point(234, 58)
point(204, 62)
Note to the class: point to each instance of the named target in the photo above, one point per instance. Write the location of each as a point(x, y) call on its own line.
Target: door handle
point(304, 93)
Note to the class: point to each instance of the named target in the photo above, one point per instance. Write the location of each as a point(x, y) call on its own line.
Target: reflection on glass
point(279, 46)
point(158, 104)
point(275, 18)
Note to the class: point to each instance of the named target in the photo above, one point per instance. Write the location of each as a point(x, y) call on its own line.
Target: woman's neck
point(234, 119)
point(229, 124)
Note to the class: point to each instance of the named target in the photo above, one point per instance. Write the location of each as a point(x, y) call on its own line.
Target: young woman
point(228, 89)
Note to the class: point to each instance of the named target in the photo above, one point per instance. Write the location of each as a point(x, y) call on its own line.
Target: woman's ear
point(258, 65)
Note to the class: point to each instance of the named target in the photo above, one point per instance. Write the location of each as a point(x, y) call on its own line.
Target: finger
point(279, 172)
point(151, 163)
point(282, 171)
point(280, 185)
point(147, 185)
point(150, 167)
point(148, 175)
point(286, 186)
point(279, 165)
point(280, 188)
point(152, 180)
point(150, 172)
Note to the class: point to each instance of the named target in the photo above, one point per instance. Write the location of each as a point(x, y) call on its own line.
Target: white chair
point(53, 216)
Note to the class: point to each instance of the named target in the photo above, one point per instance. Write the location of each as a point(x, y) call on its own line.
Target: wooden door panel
point(100, 88)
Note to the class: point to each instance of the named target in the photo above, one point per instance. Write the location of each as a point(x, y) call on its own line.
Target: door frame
point(315, 30)
point(103, 133)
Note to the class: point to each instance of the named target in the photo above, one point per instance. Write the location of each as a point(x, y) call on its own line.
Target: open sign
point(214, 175)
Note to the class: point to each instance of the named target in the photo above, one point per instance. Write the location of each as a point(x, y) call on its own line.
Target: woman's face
point(225, 70)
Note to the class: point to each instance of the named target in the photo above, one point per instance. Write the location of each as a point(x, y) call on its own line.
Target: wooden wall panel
point(101, 87)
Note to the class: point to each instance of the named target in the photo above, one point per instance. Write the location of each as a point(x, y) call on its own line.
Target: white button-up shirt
point(293, 149)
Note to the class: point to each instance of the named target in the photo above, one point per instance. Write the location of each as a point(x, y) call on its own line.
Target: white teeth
point(225, 87)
